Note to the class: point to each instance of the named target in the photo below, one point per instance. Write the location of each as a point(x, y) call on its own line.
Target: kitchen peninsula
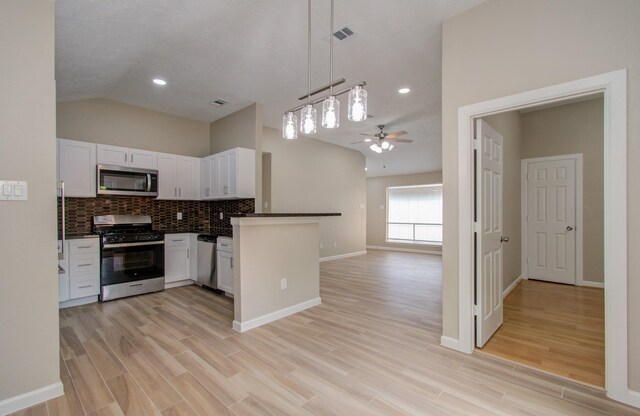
point(276, 266)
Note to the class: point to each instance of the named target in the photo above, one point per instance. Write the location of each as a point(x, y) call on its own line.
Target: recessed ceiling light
point(159, 81)
point(404, 90)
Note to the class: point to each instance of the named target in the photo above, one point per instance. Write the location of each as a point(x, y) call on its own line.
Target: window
point(414, 214)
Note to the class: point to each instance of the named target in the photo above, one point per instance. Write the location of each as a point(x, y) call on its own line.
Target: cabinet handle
point(131, 157)
point(85, 265)
point(177, 241)
point(226, 189)
point(188, 253)
point(135, 284)
point(207, 192)
point(84, 246)
point(175, 191)
point(125, 157)
point(232, 262)
point(179, 192)
point(85, 286)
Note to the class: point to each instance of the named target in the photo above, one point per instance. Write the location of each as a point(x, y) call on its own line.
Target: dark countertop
point(75, 236)
point(287, 214)
point(214, 232)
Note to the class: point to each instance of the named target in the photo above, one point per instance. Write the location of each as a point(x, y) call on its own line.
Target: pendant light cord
point(331, 53)
point(309, 54)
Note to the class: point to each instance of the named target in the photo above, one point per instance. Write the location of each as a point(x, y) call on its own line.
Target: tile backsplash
point(197, 216)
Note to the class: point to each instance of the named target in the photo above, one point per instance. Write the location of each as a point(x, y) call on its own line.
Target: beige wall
point(28, 281)
point(509, 124)
point(241, 129)
point(309, 175)
point(576, 128)
point(115, 123)
point(377, 207)
point(504, 47)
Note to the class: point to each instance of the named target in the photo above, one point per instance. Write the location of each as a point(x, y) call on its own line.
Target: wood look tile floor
point(371, 348)
point(555, 328)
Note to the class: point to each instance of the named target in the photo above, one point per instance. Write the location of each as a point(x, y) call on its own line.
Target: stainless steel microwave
point(122, 180)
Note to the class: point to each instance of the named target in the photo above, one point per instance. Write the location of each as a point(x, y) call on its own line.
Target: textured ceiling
point(247, 51)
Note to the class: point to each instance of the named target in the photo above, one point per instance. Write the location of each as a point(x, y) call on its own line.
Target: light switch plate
point(179, 215)
point(13, 190)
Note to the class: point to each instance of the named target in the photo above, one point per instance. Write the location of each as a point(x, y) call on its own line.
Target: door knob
point(569, 228)
point(504, 239)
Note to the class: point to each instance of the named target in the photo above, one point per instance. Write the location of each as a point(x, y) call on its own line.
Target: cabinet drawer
point(84, 246)
point(80, 287)
point(84, 264)
point(176, 240)
point(225, 244)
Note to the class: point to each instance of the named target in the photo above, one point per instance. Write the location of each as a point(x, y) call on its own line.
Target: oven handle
point(146, 243)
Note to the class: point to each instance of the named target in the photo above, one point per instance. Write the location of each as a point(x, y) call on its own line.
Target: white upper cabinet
point(229, 174)
point(123, 156)
point(77, 168)
point(178, 177)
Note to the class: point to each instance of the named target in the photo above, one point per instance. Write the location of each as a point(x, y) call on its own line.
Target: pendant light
point(289, 126)
point(308, 115)
point(357, 101)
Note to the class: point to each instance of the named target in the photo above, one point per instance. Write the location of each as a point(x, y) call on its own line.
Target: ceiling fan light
point(331, 113)
point(357, 104)
point(367, 139)
point(390, 147)
point(385, 145)
point(289, 124)
point(308, 119)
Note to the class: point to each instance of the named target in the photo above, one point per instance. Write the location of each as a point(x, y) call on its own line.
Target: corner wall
point(504, 47)
point(111, 122)
point(309, 175)
point(29, 345)
point(377, 207)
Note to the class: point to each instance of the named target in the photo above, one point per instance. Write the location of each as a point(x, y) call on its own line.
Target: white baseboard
point(31, 398)
point(178, 284)
point(452, 343)
point(343, 256)
point(406, 250)
point(633, 398)
point(599, 285)
point(511, 287)
point(274, 316)
point(77, 302)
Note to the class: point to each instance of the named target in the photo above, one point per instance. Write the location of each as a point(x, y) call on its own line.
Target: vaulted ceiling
point(247, 51)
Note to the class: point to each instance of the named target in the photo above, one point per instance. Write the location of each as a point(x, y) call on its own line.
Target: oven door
point(119, 180)
point(129, 262)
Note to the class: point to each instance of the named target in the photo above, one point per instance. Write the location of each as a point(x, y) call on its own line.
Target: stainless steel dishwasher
point(207, 261)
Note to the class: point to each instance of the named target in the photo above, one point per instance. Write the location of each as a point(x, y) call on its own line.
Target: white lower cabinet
point(224, 264)
point(177, 257)
point(81, 278)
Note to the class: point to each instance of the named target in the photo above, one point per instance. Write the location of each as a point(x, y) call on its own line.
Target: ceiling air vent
point(344, 33)
point(218, 103)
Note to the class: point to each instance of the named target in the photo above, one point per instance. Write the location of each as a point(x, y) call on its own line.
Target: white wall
point(118, 124)
point(309, 175)
point(504, 47)
point(29, 349)
point(377, 198)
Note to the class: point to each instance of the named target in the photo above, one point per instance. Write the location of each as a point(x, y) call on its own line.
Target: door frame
point(578, 158)
point(614, 86)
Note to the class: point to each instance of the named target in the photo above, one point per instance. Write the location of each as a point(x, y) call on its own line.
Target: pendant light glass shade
point(331, 113)
point(308, 119)
point(289, 126)
point(385, 145)
point(376, 148)
point(357, 105)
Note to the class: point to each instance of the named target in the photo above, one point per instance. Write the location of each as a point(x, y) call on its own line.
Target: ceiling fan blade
point(396, 134)
point(361, 141)
point(368, 135)
point(399, 140)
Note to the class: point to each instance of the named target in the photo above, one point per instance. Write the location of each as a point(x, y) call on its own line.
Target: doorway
point(549, 321)
point(613, 85)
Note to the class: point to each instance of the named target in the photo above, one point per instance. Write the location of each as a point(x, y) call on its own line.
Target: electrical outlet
point(321, 246)
point(221, 216)
point(361, 206)
point(381, 207)
point(179, 215)
point(266, 204)
point(283, 284)
point(335, 244)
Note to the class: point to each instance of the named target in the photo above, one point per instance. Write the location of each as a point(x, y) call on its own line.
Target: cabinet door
point(112, 155)
point(205, 178)
point(186, 179)
point(232, 173)
point(77, 167)
point(167, 187)
point(224, 174)
point(225, 271)
point(143, 159)
point(215, 177)
point(176, 263)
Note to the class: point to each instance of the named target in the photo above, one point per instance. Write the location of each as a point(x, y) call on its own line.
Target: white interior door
point(489, 235)
point(551, 220)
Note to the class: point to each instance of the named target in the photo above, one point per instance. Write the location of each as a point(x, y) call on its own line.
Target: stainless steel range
point(131, 256)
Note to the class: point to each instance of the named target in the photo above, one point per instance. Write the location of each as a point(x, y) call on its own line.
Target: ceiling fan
point(382, 140)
